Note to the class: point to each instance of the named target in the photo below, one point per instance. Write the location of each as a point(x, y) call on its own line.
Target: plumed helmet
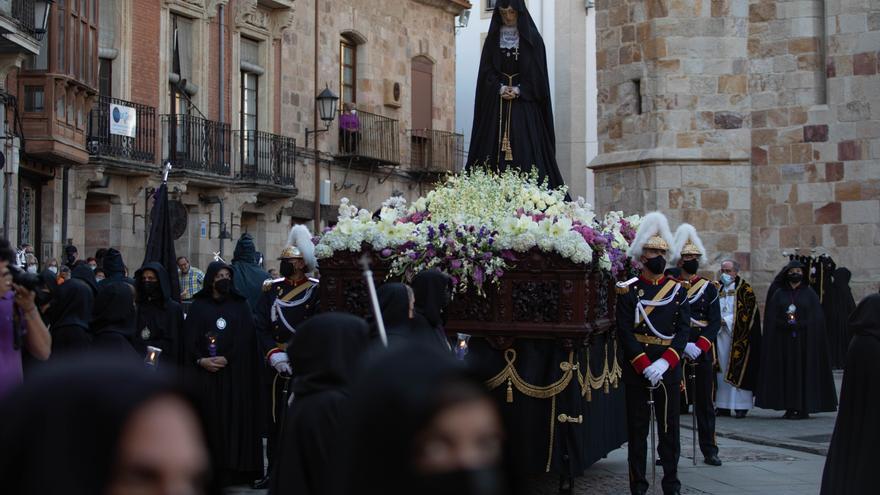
point(300, 246)
point(653, 233)
point(687, 241)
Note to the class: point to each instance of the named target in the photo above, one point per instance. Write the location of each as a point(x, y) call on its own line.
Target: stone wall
point(755, 120)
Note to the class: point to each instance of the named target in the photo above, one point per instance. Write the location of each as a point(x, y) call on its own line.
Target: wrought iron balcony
point(195, 144)
point(102, 143)
point(265, 157)
point(369, 137)
point(22, 12)
point(436, 151)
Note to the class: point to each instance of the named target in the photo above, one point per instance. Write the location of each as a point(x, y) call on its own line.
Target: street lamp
point(41, 17)
point(327, 102)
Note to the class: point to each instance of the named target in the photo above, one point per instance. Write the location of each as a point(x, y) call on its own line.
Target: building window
point(105, 77)
point(181, 64)
point(348, 71)
point(61, 42)
point(33, 99)
point(251, 70)
point(60, 106)
point(490, 4)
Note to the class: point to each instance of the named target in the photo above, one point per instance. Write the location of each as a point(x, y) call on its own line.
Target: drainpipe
point(315, 126)
point(220, 31)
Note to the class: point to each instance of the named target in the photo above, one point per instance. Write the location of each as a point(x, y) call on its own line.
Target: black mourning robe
point(837, 315)
point(433, 291)
point(231, 395)
point(530, 117)
point(324, 352)
point(249, 277)
point(852, 455)
point(114, 320)
point(60, 432)
point(69, 314)
point(795, 372)
point(394, 304)
point(159, 318)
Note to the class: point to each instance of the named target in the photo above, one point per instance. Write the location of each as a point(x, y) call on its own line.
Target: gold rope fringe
point(607, 379)
point(552, 432)
point(511, 376)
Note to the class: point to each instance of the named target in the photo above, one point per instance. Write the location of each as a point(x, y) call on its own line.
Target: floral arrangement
point(473, 225)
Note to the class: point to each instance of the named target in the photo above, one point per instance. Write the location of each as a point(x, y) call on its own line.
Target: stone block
point(801, 153)
point(735, 84)
point(777, 117)
point(628, 33)
point(852, 23)
point(727, 243)
point(762, 11)
point(830, 213)
point(819, 192)
point(714, 199)
point(789, 237)
point(808, 44)
point(833, 171)
point(803, 213)
point(861, 212)
point(654, 49)
point(849, 150)
point(696, 217)
point(720, 8)
point(780, 154)
point(778, 215)
point(682, 198)
point(810, 235)
point(839, 234)
point(848, 191)
point(657, 9)
point(764, 137)
point(864, 64)
point(728, 120)
point(815, 133)
point(809, 61)
point(668, 177)
point(854, 111)
point(759, 156)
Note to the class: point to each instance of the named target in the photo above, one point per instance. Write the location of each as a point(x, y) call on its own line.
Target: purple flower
point(455, 265)
point(386, 253)
point(499, 273)
point(455, 280)
point(487, 256)
point(508, 255)
point(414, 255)
point(478, 276)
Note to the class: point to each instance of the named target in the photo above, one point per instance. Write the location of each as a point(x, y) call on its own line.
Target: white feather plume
point(684, 232)
point(301, 238)
point(654, 223)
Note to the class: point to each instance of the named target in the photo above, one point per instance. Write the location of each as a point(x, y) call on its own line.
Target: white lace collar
point(509, 37)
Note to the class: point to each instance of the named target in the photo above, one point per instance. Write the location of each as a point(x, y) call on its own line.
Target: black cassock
point(231, 394)
point(852, 454)
point(159, 318)
point(527, 122)
point(795, 369)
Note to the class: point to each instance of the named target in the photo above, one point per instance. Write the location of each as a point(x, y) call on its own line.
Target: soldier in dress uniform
point(652, 329)
point(286, 302)
point(705, 322)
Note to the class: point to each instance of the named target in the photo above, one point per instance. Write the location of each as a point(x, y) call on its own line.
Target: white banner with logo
point(123, 120)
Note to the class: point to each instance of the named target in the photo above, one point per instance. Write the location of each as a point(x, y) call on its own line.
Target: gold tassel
point(588, 393)
point(509, 391)
point(505, 146)
point(607, 389)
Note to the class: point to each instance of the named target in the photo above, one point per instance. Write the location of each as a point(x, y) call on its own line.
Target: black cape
point(114, 319)
point(852, 455)
point(249, 277)
point(160, 243)
point(532, 135)
point(795, 371)
point(323, 352)
point(114, 267)
point(231, 393)
point(433, 292)
point(394, 304)
point(393, 400)
point(69, 315)
point(60, 432)
point(162, 315)
point(837, 315)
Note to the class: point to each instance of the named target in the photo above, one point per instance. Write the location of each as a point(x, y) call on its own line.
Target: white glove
point(654, 373)
point(692, 351)
point(281, 363)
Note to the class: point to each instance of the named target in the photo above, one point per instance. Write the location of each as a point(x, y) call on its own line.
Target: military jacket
point(281, 308)
point(705, 311)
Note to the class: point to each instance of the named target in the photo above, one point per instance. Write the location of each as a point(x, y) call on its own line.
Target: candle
point(461, 347)
point(212, 345)
point(152, 358)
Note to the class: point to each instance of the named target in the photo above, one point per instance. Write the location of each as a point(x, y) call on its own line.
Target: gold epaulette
point(717, 284)
point(269, 282)
point(623, 287)
point(313, 280)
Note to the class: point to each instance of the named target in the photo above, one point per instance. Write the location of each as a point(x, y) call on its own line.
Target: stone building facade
point(225, 90)
point(757, 121)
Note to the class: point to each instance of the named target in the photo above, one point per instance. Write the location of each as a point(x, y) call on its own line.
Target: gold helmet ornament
point(653, 233)
point(300, 246)
point(687, 241)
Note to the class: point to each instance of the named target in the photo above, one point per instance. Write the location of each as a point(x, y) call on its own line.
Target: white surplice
point(728, 396)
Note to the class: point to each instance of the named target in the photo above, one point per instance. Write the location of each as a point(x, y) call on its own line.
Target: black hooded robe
point(113, 321)
point(433, 291)
point(70, 312)
point(399, 327)
point(159, 319)
point(248, 275)
point(323, 350)
point(795, 371)
point(837, 315)
point(231, 395)
point(849, 467)
point(530, 116)
point(114, 267)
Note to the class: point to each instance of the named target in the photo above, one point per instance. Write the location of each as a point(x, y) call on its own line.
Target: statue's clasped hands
point(509, 92)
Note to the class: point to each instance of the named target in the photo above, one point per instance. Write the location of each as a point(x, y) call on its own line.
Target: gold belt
point(650, 339)
point(699, 324)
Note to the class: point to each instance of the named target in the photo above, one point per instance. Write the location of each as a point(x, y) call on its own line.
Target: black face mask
point(486, 481)
point(656, 265)
point(286, 269)
point(794, 278)
point(690, 266)
point(222, 286)
point(151, 289)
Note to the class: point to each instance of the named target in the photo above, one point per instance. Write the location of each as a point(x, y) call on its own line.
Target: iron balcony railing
point(265, 157)
point(436, 151)
point(23, 13)
point(102, 143)
point(196, 144)
point(368, 136)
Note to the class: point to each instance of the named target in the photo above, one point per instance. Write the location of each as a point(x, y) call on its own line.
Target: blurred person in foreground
point(853, 450)
point(21, 327)
point(97, 425)
point(419, 422)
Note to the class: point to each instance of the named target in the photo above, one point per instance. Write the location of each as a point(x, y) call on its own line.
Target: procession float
point(533, 302)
